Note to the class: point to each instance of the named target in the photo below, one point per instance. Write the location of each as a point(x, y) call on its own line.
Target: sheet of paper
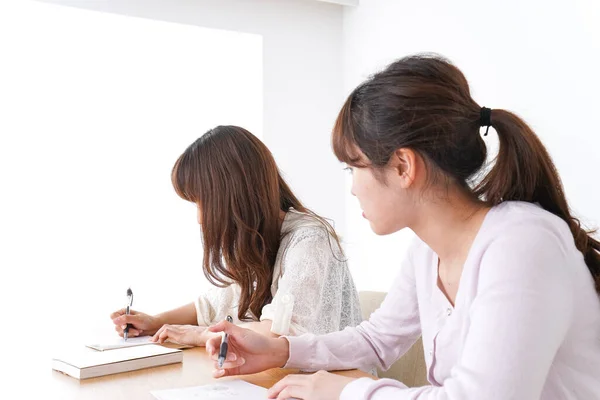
point(119, 343)
point(225, 390)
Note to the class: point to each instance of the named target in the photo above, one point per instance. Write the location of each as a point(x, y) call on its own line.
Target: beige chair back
point(410, 369)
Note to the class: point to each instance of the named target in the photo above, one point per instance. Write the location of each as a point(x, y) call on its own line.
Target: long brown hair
point(232, 177)
point(423, 102)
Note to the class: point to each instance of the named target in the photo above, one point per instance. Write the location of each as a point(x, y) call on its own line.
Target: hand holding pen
point(247, 351)
point(130, 323)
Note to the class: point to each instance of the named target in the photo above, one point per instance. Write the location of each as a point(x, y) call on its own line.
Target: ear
point(404, 163)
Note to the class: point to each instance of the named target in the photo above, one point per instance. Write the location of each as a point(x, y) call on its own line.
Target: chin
point(384, 230)
point(380, 230)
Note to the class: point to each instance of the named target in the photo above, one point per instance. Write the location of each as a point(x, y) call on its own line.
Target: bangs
point(183, 180)
point(343, 138)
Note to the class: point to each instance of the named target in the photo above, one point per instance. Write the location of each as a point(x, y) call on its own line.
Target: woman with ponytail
point(502, 281)
point(277, 267)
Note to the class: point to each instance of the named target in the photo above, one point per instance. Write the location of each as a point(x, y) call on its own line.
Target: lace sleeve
point(216, 303)
point(314, 276)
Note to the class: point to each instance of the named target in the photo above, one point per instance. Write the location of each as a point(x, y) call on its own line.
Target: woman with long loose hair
point(276, 266)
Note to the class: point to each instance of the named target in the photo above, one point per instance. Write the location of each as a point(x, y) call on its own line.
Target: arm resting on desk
point(184, 315)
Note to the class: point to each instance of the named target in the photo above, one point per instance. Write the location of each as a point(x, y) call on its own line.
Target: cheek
point(367, 189)
point(382, 205)
point(370, 195)
point(360, 186)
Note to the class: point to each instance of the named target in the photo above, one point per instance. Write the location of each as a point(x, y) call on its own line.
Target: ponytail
point(524, 171)
point(423, 102)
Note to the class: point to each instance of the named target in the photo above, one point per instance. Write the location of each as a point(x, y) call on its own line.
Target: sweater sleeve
point(518, 320)
point(380, 341)
point(216, 303)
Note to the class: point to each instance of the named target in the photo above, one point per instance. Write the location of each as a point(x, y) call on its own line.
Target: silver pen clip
point(129, 298)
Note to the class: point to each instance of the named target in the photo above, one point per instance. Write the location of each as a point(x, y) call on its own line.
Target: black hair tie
point(485, 118)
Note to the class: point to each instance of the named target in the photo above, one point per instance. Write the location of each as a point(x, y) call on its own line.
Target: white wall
point(52, 223)
point(88, 136)
point(538, 58)
point(302, 66)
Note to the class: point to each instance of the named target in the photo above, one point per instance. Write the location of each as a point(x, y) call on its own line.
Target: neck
point(449, 225)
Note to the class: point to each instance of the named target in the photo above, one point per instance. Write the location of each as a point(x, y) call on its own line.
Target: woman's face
point(384, 197)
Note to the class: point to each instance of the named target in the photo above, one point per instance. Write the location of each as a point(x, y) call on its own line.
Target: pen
point(223, 349)
point(127, 310)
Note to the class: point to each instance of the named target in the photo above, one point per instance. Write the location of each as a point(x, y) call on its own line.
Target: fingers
point(291, 392)
point(230, 367)
point(213, 344)
point(120, 319)
point(289, 387)
point(132, 331)
point(128, 319)
point(119, 330)
point(156, 336)
point(164, 335)
point(231, 356)
point(221, 373)
point(231, 362)
point(294, 393)
point(226, 327)
point(120, 312)
point(172, 333)
point(117, 313)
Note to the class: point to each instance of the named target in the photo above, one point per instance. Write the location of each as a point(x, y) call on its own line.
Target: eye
point(349, 169)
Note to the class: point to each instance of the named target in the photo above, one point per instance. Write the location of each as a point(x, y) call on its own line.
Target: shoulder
point(527, 245)
point(307, 241)
point(526, 225)
point(305, 229)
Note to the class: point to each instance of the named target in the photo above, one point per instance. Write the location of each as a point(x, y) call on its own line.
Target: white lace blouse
point(309, 267)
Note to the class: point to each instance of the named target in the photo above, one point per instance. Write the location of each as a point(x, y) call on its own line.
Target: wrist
point(280, 351)
point(158, 321)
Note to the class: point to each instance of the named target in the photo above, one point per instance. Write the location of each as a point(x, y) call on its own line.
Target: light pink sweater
point(525, 326)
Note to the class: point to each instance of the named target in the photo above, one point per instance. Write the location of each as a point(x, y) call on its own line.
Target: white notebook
point(84, 363)
point(225, 390)
point(113, 343)
point(119, 343)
